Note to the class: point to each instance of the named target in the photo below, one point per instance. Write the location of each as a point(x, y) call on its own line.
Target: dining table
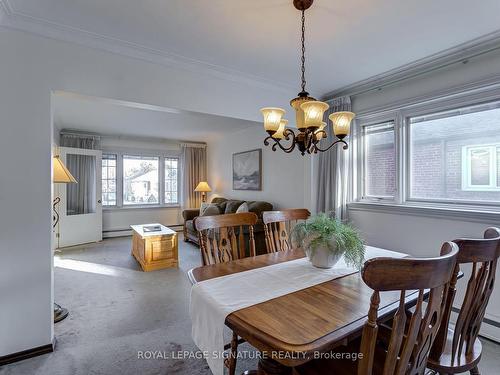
point(292, 329)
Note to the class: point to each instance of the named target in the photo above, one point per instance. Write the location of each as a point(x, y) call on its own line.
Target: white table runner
point(214, 299)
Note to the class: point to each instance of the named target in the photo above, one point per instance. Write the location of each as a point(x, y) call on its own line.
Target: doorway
point(81, 205)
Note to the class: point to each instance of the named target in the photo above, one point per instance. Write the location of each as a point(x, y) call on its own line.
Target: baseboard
point(29, 353)
point(128, 232)
point(116, 233)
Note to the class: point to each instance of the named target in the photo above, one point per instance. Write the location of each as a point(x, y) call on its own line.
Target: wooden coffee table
point(155, 250)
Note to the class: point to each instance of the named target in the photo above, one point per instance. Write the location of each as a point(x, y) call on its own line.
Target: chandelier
point(308, 114)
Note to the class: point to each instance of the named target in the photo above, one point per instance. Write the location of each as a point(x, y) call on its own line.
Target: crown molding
point(13, 19)
point(458, 54)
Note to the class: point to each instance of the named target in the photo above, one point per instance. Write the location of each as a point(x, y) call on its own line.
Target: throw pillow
point(203, 207)
point(211, 210)
point(232, 206)
point(242, 208)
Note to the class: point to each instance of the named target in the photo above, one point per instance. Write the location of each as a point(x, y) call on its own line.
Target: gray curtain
point(194, 159)
point(333, 171)
point(81, 197)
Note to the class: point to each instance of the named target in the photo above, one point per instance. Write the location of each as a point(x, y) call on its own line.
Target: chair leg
point(233, 353)
point(474, 371)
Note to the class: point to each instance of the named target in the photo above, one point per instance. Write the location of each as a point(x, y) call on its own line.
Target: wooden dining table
point(292, 329)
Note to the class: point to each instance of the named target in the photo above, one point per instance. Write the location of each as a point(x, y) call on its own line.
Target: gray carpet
point(116, 310)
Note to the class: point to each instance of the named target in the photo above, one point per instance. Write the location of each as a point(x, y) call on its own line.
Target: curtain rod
point(79, 134)
point(199, 145)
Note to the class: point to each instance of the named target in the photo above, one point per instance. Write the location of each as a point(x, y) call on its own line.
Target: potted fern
point(325, 240)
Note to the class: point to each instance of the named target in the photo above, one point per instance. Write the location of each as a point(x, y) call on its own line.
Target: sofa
point(229, 206)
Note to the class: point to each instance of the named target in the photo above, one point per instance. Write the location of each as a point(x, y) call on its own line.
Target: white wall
point(417, 235)
point(32, 67)
point(286, 178)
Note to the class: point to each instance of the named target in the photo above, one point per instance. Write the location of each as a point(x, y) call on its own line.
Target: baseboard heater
point(128, 232)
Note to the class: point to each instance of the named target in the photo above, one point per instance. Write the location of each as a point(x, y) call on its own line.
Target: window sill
point(139, 207)
point(472, 214)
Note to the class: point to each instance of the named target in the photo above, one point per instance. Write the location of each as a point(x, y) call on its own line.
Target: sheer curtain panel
point(333, 171)
point(81, 197)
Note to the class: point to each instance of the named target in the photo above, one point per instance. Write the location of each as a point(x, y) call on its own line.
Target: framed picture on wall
point(247, 170)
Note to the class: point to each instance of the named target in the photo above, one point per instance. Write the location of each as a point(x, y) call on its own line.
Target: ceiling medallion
point(308, 114)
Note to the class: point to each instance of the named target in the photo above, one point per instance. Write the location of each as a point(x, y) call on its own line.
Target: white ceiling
point(117, 118)
point(348, 40)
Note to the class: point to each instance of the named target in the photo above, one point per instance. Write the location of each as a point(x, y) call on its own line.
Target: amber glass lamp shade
point(341, 122)
point(313, 113)
point(299, 113)
point(317, 133)
point(279, 133)
point(272, 118)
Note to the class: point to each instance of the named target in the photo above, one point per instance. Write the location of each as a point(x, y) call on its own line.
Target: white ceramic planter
point(323, 257)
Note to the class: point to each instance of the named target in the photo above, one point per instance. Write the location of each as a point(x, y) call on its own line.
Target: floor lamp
point(60, 175)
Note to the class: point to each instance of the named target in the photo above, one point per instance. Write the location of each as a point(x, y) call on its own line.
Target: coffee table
point(155, 250)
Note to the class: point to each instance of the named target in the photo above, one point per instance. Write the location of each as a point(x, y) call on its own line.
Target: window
point(444, 153)
point(140, 180)
point(452, 158)
point(171, 180)
point(109, 179)
point(481, 168)
point(379, 161)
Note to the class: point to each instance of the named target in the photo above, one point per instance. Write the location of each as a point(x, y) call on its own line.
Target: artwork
point(247, 170)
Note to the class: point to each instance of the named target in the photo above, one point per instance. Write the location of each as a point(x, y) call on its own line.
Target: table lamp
point(204, 189)
point(60, 175)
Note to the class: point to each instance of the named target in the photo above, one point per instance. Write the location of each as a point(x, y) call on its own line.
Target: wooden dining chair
point(278, 226)
point(402, 349)
point(222, 237)
point(459, 350)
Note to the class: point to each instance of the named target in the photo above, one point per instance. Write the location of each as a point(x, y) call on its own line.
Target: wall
point(286, 178)
point(423, 236)
point(420, 235)
point(33, 67)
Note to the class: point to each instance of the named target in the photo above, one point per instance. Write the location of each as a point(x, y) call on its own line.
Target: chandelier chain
point(303, 59)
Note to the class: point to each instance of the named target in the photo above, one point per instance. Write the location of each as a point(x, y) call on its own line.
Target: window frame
point(401, 115)
point(362, 147)
point(107, 179)
point(162, 155)
point(178, 180)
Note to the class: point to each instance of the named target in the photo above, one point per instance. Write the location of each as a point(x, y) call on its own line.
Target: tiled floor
point(118, 311)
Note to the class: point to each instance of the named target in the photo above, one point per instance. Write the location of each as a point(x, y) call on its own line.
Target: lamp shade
point(313, 113)
point(272, 118)
point(341, 122)
point(299, 113)
point(279, 133)
point(317, 133)
point(203, 187)
point(61, 174)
